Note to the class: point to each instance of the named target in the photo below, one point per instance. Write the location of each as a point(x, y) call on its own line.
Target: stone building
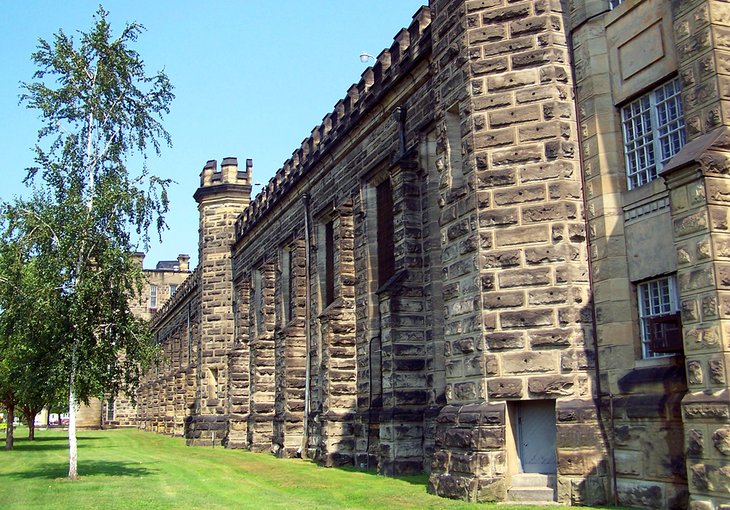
point(160, 284)
point(502, 259)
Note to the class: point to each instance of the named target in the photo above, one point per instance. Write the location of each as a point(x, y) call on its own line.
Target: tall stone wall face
point(516, 287)
point(423, 352)
point(640, 234)
point(239, 375)
point(700, 223)
point(367, 347)
point(698, 185)
point(222, 196)
point(167, 393)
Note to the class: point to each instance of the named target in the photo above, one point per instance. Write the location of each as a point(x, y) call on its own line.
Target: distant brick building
point(501, 259)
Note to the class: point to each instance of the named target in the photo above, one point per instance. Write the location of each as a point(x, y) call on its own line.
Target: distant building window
point(173, 288)
point(653, 127)
point(614, 3)
point(661, 327)
point(110, 410)
point(153, 296)
point(386, 242)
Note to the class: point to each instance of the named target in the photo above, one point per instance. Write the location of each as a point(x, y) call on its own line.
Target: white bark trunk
point(72, 447)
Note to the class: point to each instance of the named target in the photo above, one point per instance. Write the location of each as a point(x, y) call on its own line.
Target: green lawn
point(132, 469)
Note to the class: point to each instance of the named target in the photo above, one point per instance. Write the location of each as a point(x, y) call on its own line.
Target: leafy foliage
point(100, 116)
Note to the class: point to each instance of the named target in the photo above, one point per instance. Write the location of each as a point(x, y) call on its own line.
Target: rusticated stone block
point(502, 118)
point(560, 337)
point(451, 486)
point(504, 388)
point(501, 259)
point(524, 277)
point(517, 236)
point(465, 391)
point(530, 362)
point(578, 435)
point(527, 319)
point(721, 440)
point(488, 438)
point(491, 489)
point(646, 495)
point(495, 178)
point(502, 341)
point(512, 156)
point(519, 195)
point(553, 386)
point(695, 443)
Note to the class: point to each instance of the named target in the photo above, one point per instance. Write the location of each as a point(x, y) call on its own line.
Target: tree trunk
point(9, 431)
point(30, 414)
point(72, 448)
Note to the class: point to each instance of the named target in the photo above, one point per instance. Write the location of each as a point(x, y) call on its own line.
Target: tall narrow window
point(291, 285)
point(287, 284)
point(329, 263)
point(153, 296)
point(661, 328)
point(453, 147)
point(173, 288)
point(190, 337)
point(258, 301)
point(386, 243)
point(212, 383)
point(110, 410)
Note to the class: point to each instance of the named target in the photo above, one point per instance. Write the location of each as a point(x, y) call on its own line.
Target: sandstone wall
point(368, 345)
point(167, 394)
point(518, 317)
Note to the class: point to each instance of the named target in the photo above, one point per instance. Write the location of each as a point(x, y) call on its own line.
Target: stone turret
point(223, 194)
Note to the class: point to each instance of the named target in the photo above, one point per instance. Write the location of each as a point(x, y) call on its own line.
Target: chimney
point(183, 262)
point(138, 256)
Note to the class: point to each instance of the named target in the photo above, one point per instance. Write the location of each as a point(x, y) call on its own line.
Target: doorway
point(535, 436)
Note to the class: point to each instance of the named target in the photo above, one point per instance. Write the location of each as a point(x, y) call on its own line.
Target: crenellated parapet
point(229, 177)
point(391, 65)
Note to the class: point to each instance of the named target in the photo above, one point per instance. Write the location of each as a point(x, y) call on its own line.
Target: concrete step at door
point(532, 487)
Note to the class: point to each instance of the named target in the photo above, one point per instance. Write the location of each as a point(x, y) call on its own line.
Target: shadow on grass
point(56, 470)
point(419, 479)
point(44, 443)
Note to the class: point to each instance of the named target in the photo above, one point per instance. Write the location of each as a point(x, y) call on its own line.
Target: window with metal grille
point(661, 327)
point(653, 128)
point(386, 243)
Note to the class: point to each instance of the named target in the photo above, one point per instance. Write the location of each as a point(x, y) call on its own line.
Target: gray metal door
point(536, 436)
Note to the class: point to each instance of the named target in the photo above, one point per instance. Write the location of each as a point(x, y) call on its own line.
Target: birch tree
point(94, 199)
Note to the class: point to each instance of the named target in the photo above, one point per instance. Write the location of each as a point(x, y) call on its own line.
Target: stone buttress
point(518, 333)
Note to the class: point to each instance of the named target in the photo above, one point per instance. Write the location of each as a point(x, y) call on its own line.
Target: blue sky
point(252, 78)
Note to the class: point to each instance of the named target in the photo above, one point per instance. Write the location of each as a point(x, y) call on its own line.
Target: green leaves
point(100, 115)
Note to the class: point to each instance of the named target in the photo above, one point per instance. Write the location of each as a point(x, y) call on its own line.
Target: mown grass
point(137, 470)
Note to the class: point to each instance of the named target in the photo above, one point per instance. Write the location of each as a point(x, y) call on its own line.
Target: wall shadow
point(57, 470)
